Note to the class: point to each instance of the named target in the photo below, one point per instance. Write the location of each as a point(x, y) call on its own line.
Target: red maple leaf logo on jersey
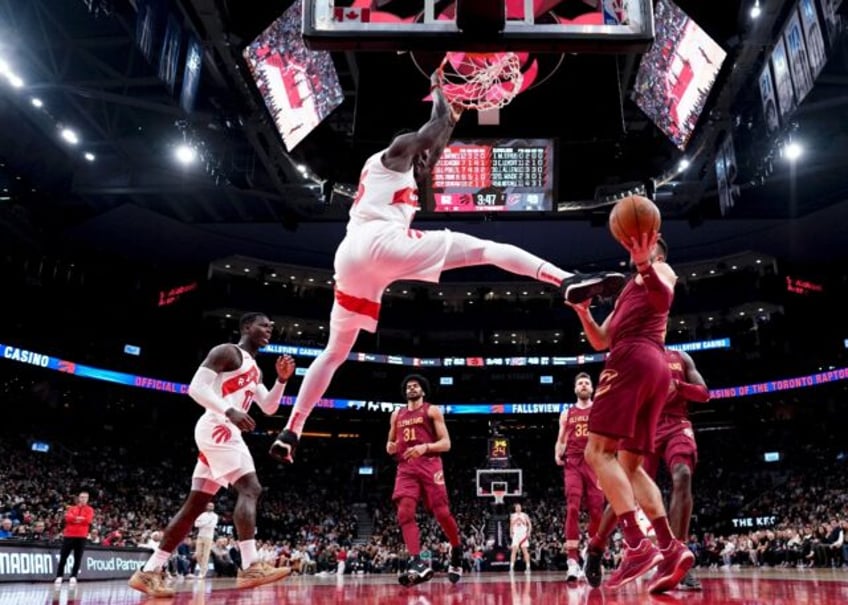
point(221, 433)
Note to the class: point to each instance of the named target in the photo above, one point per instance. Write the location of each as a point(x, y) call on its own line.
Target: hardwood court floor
point(742, 587)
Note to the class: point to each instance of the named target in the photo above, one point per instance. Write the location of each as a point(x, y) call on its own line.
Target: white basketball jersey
point(384, 195)
point(519, 521)
point(237, 387)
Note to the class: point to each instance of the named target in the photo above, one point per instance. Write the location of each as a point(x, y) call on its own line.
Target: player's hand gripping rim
point(437, 80)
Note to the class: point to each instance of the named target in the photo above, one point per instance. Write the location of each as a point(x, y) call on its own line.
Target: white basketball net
point(499, 495)
point(481, 81)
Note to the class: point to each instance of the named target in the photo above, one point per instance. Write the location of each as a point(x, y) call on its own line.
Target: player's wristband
point(426, 448)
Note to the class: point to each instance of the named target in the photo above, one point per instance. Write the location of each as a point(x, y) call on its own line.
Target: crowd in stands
point(307, 519)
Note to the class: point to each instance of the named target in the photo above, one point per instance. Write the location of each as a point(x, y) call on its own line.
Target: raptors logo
point(221, 433)
point(605, 382)
point(439, 478)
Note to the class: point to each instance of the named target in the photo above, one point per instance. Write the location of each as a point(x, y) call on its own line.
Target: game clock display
point(514, 175)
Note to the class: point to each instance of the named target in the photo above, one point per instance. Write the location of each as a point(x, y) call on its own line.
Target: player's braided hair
point(425, 384)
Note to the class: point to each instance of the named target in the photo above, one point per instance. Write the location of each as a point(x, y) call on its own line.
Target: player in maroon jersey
point(675, 444)
point(578, 476)
point(417, 438)
point(630, 397)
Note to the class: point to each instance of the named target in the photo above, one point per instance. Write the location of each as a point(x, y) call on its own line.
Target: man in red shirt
point(78, 520)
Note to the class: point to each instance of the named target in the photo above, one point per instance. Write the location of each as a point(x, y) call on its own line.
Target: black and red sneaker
point(284, 446)
point(586, 286)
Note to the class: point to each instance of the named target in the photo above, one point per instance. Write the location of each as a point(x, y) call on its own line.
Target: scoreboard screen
point(502, 175)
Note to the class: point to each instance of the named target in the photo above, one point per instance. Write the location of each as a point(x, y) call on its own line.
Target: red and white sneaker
point(677, 560)
point(635, 563)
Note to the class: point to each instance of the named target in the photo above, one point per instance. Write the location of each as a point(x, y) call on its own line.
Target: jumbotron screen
point(677, 73)
point(494, 175)
point(300, 86)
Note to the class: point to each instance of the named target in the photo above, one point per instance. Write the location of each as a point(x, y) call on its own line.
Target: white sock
point(247, 548)
point(551, 274)
point(157, 560)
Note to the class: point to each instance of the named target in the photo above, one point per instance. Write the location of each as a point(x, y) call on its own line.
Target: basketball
point(633, 216)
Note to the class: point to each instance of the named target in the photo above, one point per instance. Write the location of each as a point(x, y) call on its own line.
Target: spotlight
point(683, 165)
point(756, 11)
point(15, 80)
point(89, 156)
point(185, 154)
point(793, 151)
point(36, 102)
point(70, 136)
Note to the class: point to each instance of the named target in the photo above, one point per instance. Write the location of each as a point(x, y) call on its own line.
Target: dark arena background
point(169, 165)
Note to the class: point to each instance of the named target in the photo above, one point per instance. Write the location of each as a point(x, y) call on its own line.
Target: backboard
point(587, 26)
point(512, 479)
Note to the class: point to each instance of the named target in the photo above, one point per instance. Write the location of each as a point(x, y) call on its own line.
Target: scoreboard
point(494, 176)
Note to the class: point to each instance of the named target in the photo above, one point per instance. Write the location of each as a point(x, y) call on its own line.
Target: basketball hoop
point(481, 81)
point(499, 495)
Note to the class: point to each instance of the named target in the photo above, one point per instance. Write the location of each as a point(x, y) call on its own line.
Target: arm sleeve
point(70, 516)
point(659, 293)
point(202, 391)
point(269, 401)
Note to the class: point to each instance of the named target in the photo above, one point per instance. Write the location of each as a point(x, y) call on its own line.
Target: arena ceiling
point(80, 59)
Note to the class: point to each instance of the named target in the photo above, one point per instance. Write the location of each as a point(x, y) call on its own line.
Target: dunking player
point(380, 248)
point(675, 444)
point(226, 384)
point(417, 438)
point(630, 397)
point(579, 478)
point(519, 531)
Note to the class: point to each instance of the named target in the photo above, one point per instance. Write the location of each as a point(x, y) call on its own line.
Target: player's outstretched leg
point(467, 251)
point(315, 383)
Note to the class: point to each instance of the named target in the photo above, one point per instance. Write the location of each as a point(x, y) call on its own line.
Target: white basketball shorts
point(374, 255)
point(224, 457)
point(519, 537)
